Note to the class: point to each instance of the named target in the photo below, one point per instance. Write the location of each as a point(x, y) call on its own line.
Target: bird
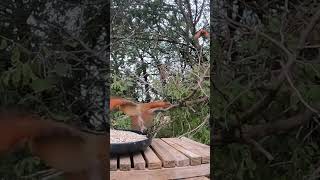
point(79, 154)
point(141, 114)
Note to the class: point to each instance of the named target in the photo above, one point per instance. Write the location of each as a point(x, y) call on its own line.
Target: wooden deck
point(167, 158)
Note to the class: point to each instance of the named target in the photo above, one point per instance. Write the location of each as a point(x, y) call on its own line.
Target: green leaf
point(274, 25)
point(3, 44)
point(252, 45)
point(27, 74)
point(16, 75)
point(62, 68)
point(313, 93)
point(70, 43)
point(5, 78)
point(294, 100)
point(15, 57)
point(40, 85)
point(251, 164)
point(60, 116)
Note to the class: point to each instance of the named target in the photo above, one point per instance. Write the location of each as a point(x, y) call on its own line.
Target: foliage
point(155, 57)
point(247, 67)
point(52, 62)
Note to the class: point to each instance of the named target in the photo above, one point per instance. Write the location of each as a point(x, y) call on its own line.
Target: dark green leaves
point(3, 44)
point(40, 85)
point(62, 68)
point(15, 57)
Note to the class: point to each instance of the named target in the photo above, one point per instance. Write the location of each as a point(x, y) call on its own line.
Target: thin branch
point(198, 127)
point(198, 15)
point(315, 174)
point(308, 29)
point(187, 103)
point(299, 94)
point(262, 130)
point(43, 173)
point(256, 145)
point(280, 126)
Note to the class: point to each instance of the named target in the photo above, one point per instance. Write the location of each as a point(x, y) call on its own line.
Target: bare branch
point(256, 145)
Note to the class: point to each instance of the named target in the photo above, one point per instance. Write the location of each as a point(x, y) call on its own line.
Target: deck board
point(113, 163)
point(163, 173)
point(138, 161)
point(125, 163)
point(152, 160)
point(196, 178)
point(204, 153)
point(195, 158)
point(180, 158)
point(166, 158)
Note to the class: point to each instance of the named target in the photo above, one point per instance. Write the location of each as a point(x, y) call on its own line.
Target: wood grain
point(125, 163)
point(152, 160)
point(138, 161)
point(163, 173)
point(195, 159)
point(168, 159)
point(113, 163)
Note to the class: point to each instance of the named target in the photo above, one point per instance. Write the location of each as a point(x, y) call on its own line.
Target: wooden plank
point(196, 143)
point(152, 160)
point(197, 178)
point(163, 173)
point(138, 161)
point(125, 163)
point(180, 159)
point(166, 157)
point(195, 159)
point(113, 163)
point(195, 148)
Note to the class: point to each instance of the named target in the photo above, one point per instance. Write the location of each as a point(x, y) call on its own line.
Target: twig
point(18, 44)
point(260, 148)
point(187, 103)
point(280, 126)
point(284, 17)
point(315, 174)
point(198, 127)
point(299, 94)
point(42, 173)
point(312, 46)
point(308, 29)
point(262, 130)
point(52, 175)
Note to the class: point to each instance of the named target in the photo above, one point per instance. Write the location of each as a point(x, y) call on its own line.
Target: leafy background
point(254, 41)
point(154, 56)
point(53, 58)
point(53, 61)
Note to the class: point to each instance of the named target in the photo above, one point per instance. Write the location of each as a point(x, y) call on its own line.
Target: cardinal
point(141, 114)
point(79, 154)
point(201, 32)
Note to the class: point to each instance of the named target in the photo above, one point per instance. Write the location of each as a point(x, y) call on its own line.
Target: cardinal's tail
point(156, 104)
point(17, 127)
point(116, 102)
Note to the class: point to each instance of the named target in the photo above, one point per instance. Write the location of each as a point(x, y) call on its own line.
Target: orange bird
point(80, 155)
point(201, 32)
point(141, 114)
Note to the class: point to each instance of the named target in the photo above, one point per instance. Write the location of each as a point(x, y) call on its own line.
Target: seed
point(118, 136)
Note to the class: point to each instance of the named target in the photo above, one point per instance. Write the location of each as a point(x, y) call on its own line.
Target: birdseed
point(118, 136)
